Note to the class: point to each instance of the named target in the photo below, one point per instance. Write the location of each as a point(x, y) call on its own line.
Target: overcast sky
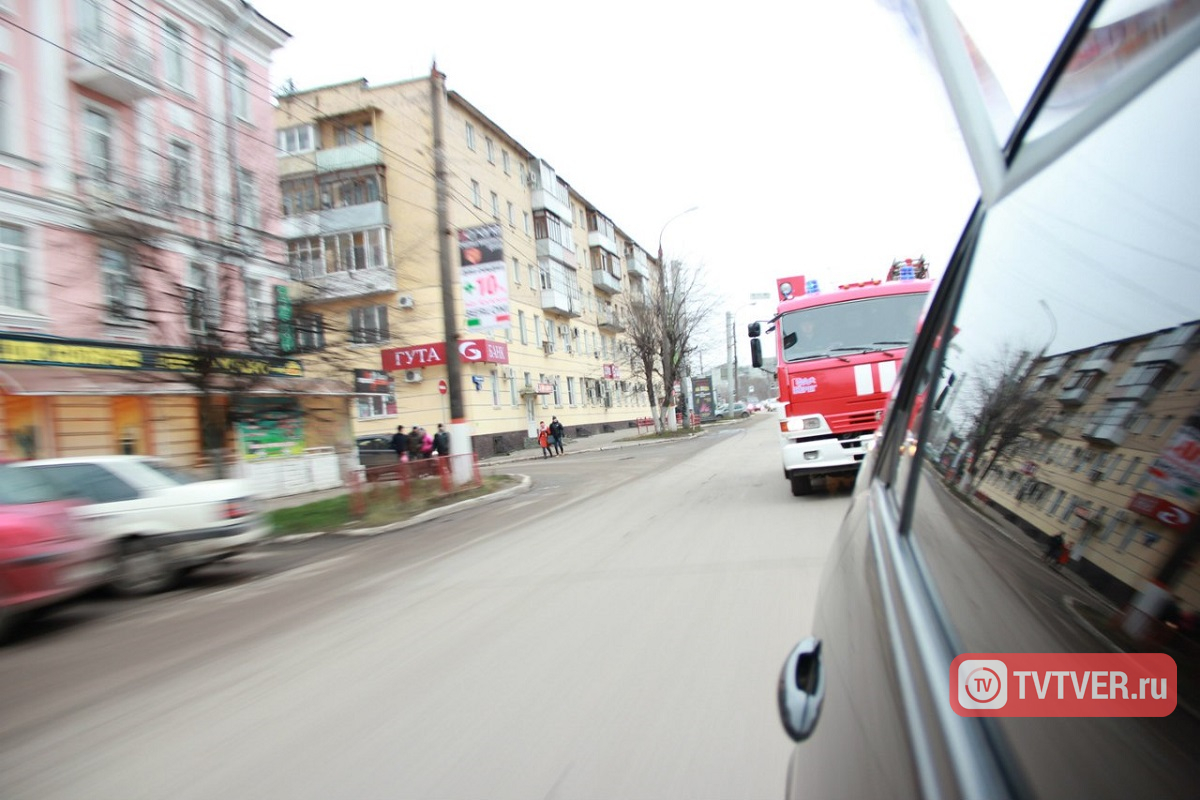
point(815, 138)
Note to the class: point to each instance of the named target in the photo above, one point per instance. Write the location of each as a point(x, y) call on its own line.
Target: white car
point(160, 520)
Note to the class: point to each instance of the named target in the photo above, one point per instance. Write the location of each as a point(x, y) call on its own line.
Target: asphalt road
point(617, 631)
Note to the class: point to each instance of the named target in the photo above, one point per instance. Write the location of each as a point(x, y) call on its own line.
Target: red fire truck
point(839, 353)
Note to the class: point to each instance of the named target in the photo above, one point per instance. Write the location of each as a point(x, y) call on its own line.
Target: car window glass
point(160, 475)
point(89, 481)
point(21, 486)
point(1055, 394)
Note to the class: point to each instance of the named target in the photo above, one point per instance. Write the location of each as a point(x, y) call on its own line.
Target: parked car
point(45, 558)
point(160, 520)
point(739, 410)
point(375, 450)
point(1042, 353)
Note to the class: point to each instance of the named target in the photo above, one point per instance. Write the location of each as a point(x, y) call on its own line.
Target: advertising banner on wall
point(270, 427)
point(433, 354)
point(484, 278)
point(1177, 468)
point(379, 389)
point(702, 398)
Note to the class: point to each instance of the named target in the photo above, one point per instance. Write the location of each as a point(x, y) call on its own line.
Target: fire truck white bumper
point(826, 455)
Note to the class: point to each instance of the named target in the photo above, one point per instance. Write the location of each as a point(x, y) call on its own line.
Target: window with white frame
point(202, 299)
point(571, 391)
point(179, 156)
point(476, 195)
point(470, 131)
point(122, 299)
point(537, 330)
point(247, 200)
point(495, 205)
point(310, 333)
point(355, 250)
point(507, 166)
point(240, 78)
point(257, 308)
point(521, 325)
point(174, 42)
point(98, 145)
point(525, 216)
point(512, 386)
point(14, 257)
point(296, 139)
point(557, 394)
point(516, 271)
point(353, 133)
point(369, 325)
point(491, 149)
point(512, 216)
point(298, 197)
point(532, 277)
point(495, 381)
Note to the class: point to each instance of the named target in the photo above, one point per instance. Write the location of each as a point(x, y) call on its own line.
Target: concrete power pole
point(729, 344)
point(460, 433)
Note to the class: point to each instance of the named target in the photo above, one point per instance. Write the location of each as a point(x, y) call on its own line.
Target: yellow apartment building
point(359, 205)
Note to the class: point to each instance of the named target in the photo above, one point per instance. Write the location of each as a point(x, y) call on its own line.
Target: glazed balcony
point(113, 64)
point(606, 282)
point(557, 301)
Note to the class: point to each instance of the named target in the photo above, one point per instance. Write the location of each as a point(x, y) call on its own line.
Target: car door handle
point(802, 689)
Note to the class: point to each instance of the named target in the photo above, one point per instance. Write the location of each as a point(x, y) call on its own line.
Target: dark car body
point(1054, 378)
point(375, 450)
point(44, 557)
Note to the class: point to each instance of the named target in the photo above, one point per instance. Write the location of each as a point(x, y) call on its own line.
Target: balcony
point(340, 285)
point(1097, 363)
point(114, 65)
point(1170, 347)
point(1138, 391)
point(336, 220)
point(606, 282)
point(636, 263)
point(609, 320)
point(334, 159)
point(1074, 397)
point(559, 302)
point(604, 239)
point(1053, 427)
point(548, 248)
point(121, 204)
point(1106, 432)
point(555, 200)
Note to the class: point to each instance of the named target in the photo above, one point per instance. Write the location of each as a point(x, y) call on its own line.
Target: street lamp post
point(668, 421)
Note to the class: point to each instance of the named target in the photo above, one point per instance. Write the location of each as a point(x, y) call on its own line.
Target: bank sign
point(434, 354)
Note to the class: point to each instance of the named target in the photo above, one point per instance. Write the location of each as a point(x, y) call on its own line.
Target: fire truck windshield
point(857, 326)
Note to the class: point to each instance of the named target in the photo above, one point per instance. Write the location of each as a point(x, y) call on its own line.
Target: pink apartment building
point(142, 306)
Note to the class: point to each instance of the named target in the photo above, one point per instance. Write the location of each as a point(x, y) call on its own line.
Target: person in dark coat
point(441, 441)
point(556, 435)
point(400, 443)
point(414, 443)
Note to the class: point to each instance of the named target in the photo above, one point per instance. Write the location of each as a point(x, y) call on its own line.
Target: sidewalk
point(573, 445)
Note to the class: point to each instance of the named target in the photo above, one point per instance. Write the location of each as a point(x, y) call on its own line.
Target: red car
point(44, 557)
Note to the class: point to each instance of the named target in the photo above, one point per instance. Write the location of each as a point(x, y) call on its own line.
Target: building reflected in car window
point(1056, 401)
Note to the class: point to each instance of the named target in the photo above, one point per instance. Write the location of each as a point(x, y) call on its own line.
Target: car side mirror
point(754, 330)
point(756, 358)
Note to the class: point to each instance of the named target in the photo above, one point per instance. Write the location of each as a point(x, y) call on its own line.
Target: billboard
point(703, 400)
point(484, 278)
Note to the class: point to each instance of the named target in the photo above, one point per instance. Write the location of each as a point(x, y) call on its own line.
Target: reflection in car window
point(164, 476)
point(1059, 393)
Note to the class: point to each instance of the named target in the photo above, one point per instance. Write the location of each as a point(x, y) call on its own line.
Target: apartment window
point(491, 149)
point(310, 333)
point(516, 271)
point(353, 133)
point(1163, 425)
point(1133, 465)
point(512, 216)
point(476, 195)
point(297, 139)
point(257, 308)
point(353, 190)
point(537, 330)
point(179, 156)
point(241, 90)
point(1139, 423)
point(247, 199)
point(173, 54)
point(298, 197)
point(305, 257)
point(202, 299)
point(355, 250)
point(470, 136)
point(1155, 375)
point(14, 255)
point(571, 391)
point(512, 386)
point(495, 380)
point(369, 325)
point(525, 216)
point(532, 277)
point(98, 144)
point(521, 325)
point(121, 297)
point(505, 159)
point(557, 395)
point(495, 205)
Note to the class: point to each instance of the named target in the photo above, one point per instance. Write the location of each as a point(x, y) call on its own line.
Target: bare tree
point(1005, 411)
point(683, 310)
point(643, 331)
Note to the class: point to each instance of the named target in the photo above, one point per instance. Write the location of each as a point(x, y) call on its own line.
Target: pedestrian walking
point(414, 443)
point(556, 435)
point(400, 443)
point(441, 441)
point(1054, 548)
point(426, 444)
point(544, 440)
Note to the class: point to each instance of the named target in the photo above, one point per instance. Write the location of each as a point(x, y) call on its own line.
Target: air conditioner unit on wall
point(413, 376)
point(548, 347)
point(405, 301)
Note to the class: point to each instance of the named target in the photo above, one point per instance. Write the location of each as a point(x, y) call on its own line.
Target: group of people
point(419, 443)
point(550, 438)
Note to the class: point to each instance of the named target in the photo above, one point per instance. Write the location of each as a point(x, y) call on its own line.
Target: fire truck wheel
point(801, 485)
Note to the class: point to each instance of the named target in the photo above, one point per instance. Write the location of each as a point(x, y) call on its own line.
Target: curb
point(434, 513)
point(598, 449)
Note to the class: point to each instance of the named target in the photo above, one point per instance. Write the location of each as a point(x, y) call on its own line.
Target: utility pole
point(729, 346)
point(460, 435)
